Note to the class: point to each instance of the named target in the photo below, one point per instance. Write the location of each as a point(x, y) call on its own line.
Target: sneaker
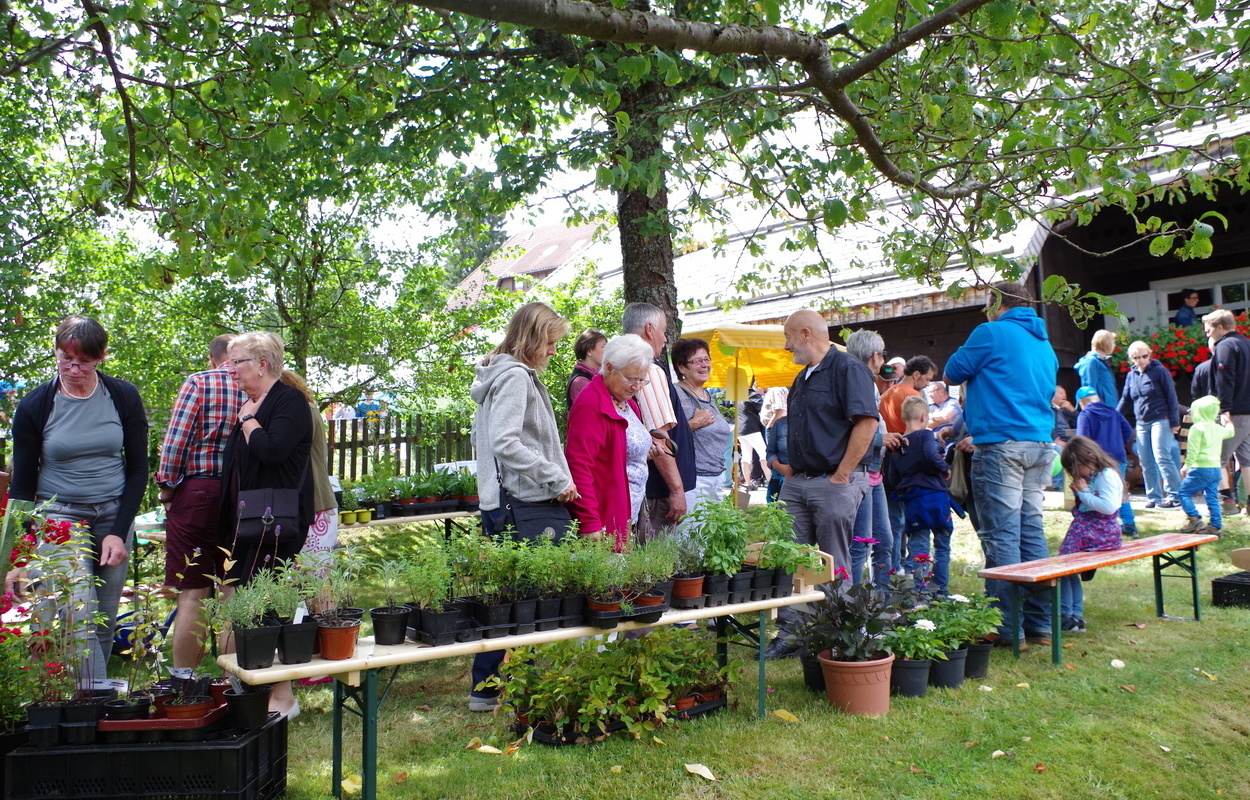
point(1150, 504)
point(999, 641)
point(1073, 625)
point(779, 648)
point(1229, 506)
point(483, 703)
point(1037, 638)
point(1194, 525)
point(1129, 530)
point(1213, 529)
point(1169, 504)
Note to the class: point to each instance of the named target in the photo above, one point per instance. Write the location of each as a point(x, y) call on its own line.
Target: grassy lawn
point(1172, 723)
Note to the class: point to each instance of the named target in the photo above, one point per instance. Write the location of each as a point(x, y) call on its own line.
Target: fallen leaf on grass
point(512, 747)
point(424, 708)
point(352, 785)
point(1128, 687)
point(915, 768)
point(781, 713)
point(1026, 738)
point(1040, 768)
point(701, 771)
point(998, 754)
point(616, 769)
point(490, 751)
point(1209, 675)
point(1070, 666)
point(1117, 663)
point(401, 776)
point(1022, 686)
point(971, 744)
point(1138, 625)
point(657, 740)
point(1132, 641)
point(474, 743)
point(985, 688)
point(1165, 748)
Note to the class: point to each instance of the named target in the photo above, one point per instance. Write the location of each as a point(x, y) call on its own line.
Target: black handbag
point(529, 520)
point(265, 513)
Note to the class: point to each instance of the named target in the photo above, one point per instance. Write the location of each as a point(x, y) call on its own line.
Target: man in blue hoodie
point(1009, 367)
point(1111, 431)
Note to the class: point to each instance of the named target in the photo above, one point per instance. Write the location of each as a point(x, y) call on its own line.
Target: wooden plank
point(370, 656)
point(1044, 570)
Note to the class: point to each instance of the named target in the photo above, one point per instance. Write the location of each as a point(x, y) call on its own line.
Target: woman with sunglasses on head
point(711, 431)
point(1149, 397)
point(82, 438)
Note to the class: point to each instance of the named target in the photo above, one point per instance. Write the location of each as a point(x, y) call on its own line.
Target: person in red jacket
point(607, 445)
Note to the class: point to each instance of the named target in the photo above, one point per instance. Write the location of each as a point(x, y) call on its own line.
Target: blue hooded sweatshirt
point(1096, 373)
point(1108, 427)
point(1010, 369)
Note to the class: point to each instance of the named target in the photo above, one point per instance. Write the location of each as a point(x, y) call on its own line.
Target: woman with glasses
point(608, 445)
point(712, 431)
point(80, 448)
point(1149, 396)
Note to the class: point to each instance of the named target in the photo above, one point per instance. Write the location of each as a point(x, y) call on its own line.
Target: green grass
point(1159, 727)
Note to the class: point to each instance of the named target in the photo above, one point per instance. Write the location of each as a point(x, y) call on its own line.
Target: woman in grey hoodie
point(516, 440)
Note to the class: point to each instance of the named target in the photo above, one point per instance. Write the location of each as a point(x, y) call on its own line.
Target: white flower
point(925, 625)
point(959, 598)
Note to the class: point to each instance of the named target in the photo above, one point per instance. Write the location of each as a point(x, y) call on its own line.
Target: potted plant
point(429, 579)
point(688, 573)
point(962, 621)
point(722, 533)
point(467, 489)
point(291, 596)
point(916, 646)
point(245, 611)
point(846, 631)
point(390, 620)
point(339, 625)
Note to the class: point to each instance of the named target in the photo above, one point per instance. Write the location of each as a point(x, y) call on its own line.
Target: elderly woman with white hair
point(872, 521)
point(608, 445)
point(268, 449)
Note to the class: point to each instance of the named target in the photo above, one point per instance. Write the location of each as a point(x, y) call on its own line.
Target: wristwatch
point(246, 417)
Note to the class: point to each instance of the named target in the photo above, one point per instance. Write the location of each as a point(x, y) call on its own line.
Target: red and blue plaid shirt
point(204, 414)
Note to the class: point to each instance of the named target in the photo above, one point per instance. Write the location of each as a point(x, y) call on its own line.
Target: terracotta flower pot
point(338, 644)
point(689, 587)
point(858, 687)
point(190, 708)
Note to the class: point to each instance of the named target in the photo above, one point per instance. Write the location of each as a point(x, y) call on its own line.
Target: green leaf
point(1202, 230)
point(1204, 9)
point(1161, 245)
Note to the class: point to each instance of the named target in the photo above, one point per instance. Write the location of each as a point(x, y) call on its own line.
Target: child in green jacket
point(1201, 473)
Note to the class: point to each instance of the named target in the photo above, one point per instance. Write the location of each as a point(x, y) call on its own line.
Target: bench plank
point(1045, 570)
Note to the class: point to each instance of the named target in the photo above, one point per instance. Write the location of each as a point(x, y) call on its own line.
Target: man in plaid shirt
point(190, 479)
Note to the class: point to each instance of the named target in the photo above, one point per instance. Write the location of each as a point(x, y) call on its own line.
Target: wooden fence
point(356, 444)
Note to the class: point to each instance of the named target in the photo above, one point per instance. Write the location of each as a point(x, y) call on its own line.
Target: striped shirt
point(655, 402)
point(204, 414)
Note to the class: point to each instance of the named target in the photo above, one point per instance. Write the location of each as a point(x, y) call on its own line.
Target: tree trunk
point(642, 218)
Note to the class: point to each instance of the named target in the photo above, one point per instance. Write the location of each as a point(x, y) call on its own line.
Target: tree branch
point(106, 46)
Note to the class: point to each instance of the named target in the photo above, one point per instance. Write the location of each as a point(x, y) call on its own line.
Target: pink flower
point(841, 573)
point(922, 558)
point(865, 540)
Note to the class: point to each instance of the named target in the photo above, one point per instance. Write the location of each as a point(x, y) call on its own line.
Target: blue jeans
point(873, 521)
point(102, 596)
point(1204, 481)
point(1008, 480)
point(1073, 594)
point(1126, 508)
point(940, 567)
point(897, 522)
point(1155, 444)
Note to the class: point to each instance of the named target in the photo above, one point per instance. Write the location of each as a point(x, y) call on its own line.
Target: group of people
point(80, 450)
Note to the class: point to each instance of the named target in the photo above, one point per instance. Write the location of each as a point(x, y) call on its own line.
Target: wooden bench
point(1177, 550)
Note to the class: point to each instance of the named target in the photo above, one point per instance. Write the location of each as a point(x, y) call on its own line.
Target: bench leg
point(759, 655)
point(1056, 623)
point(1186, 561)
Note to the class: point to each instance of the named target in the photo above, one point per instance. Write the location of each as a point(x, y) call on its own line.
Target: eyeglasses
point(698, 362)
point(69, 363)
point(237, 361)
point(639, 382)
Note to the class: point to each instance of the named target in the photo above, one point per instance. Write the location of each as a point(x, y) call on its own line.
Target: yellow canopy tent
point(741, 351)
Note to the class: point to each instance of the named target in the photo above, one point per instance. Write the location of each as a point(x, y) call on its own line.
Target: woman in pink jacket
point(608, 445)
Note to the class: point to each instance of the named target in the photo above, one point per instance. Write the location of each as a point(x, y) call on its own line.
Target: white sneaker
point(483, 703)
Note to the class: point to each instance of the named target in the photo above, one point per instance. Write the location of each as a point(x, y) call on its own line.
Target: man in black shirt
point(832, 418)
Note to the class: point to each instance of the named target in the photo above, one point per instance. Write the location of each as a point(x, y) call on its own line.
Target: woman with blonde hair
point(1095, 369)
point(523, 477)
point(1150, 397)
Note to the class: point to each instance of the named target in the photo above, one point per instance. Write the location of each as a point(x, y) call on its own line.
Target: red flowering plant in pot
point(1178, 349)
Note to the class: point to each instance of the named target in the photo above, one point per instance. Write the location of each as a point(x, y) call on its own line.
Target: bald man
point(832, 418)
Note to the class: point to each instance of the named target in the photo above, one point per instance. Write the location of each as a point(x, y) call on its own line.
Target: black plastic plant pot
point(548, 608)
point(948, 674)
point(909, 678)
point(761, 578)
point(128, 709)
point(977, 662)
point(296, 642)
point(78, 733)
point(437, 623)
point(491, 614)
point(249, 708)
point(715, 584)
point(665, 587)
point(389, 625)
point(572, 606)
point(524, 612)
point(813, 674)
point(740, 581)
point(255, 647)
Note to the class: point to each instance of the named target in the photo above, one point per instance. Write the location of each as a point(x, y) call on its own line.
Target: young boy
point(917, 474)
point(1201, 473)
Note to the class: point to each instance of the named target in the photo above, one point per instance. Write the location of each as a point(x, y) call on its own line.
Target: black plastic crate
point(1231, 590)
point(251, 766)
